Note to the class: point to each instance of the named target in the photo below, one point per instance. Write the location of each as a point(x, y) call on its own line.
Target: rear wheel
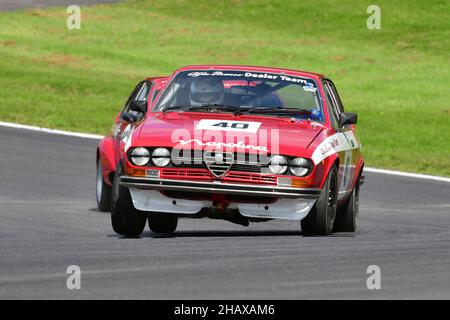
point(346, 215)
point(320, 220)
point(125, 219)
point(162, 223)
point(103, 190)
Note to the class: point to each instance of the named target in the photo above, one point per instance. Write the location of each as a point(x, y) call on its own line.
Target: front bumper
point(155, 201)
point(219, 187)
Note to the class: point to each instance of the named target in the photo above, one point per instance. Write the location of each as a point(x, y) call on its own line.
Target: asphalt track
point(49, 220)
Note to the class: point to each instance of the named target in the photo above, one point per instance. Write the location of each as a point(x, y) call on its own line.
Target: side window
point(155, 94)
point(337, 99)
point(332, 110)
point(143, 92)
point(140, 93)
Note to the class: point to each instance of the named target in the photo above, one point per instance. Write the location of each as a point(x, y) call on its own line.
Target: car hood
point(205, 130)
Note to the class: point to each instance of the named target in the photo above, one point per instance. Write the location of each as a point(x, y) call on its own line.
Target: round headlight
point(140, 156)
point(278, 164)
point(299, 166)
point(161, 157)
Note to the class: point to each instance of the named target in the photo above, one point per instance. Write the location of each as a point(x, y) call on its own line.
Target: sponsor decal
point(260, 75)
point(332, 144)
point(307, 84)
point(347, 167)
point(125, 132)
point(126, 137)
point(219, 145)
point(342, 141)
point(310, 87)
point(215, 73)
point(258, 143)
point(226, 125)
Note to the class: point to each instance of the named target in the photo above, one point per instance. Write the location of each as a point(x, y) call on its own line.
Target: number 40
point(233, 125)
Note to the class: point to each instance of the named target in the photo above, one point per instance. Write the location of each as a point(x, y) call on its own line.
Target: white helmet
point(206, 91)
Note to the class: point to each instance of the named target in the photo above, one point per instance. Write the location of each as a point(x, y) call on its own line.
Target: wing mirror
point(129, 117)
point(138, 106)
point(347, 118)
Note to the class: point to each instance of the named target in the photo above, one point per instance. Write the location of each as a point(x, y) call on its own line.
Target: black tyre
point(103, 190)
point(125, 219)
point(346, 215)
point(162, 223)
point(320, 220)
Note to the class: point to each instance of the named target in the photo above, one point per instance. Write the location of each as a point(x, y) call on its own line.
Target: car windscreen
point(242, 92)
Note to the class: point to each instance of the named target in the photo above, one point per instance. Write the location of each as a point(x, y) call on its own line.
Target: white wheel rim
point(99, 181)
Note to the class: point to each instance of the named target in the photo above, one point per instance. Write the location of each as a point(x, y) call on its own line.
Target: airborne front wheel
point(162, 223)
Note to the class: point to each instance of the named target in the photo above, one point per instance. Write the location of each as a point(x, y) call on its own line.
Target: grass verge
point(396, 78)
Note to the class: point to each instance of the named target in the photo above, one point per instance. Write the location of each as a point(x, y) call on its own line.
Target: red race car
point(240, 143)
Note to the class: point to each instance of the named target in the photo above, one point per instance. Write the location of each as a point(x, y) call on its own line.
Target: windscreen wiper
point(208, 106)
point(272, 110)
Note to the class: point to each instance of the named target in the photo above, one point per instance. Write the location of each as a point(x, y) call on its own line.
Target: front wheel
point(320, 220)
point(162, 223)
point(125, 219)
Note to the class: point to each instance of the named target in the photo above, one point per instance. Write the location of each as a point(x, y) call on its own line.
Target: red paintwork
point(299, 138)
point(106, 150)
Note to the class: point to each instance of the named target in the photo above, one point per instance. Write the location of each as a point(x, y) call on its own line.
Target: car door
point(350, 154)
point(123, 126)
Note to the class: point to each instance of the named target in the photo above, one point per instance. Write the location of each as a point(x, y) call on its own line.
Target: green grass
point(396, 78)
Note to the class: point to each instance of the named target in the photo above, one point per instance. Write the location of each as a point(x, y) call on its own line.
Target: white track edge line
point(52, 131)
point(97, 137)
point(407, 174)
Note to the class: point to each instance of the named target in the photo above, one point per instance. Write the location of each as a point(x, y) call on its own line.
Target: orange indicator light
point(136, 172)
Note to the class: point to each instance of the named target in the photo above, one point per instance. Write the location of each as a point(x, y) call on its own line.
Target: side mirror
point(347, 118)
point(129, 117)
point(138, 106)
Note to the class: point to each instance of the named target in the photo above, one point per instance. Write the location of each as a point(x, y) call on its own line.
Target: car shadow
point(229, 234)
point(222, 233)
point(95, 210)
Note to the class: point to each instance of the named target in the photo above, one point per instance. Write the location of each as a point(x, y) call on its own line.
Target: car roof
point(253, 68)
point(157, 78)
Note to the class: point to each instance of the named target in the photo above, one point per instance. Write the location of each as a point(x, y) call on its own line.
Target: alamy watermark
point(374, 280)
point(374, 20)
point(73, 281)
point(73, 21)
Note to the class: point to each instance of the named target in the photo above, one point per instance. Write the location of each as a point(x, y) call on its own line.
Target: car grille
point(204, 174)
point(231, 162)
point(227, 165)
point(218, 162)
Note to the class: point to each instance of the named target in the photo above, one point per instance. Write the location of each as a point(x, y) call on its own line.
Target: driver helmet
point(206, 91)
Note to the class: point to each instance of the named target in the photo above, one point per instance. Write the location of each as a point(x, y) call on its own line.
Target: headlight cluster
point(140, 156)
point(298, 166)
point(160, 157)
point(278, 164)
